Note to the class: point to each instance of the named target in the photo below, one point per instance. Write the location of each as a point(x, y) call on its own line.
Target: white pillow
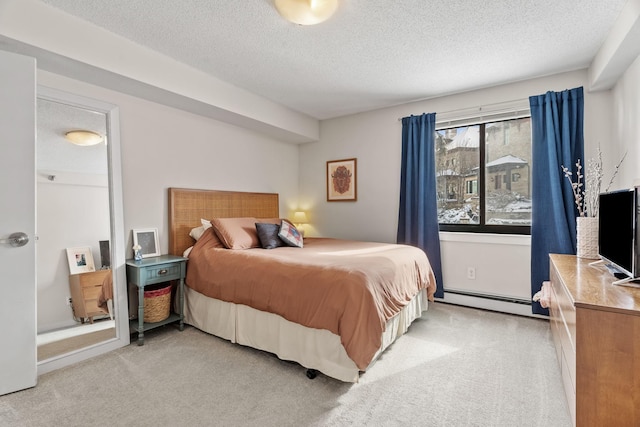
point(197, 232)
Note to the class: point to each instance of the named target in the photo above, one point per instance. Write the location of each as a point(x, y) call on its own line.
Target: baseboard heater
point(487, 296)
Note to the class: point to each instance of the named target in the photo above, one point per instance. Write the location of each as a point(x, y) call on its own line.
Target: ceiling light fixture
point(306, 12)
point(84, 137)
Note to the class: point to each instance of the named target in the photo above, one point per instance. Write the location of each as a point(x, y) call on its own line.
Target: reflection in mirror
point(75, 286)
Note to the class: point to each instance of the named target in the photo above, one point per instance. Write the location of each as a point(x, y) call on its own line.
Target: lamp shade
point(306, 12)
point(84, 137)
point(300, 218)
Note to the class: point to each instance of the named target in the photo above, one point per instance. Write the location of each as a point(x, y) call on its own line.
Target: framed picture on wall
point(80, 260)
point(147, 239)
point(342, 181)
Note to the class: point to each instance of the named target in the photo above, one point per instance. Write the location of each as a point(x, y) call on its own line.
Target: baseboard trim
point(490, 302)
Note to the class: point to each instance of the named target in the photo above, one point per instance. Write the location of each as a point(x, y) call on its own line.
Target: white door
point(17, 214)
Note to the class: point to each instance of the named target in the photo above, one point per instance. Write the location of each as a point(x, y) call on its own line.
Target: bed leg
point(311, 373)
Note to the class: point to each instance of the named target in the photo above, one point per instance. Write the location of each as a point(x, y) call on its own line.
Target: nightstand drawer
point(163, 272)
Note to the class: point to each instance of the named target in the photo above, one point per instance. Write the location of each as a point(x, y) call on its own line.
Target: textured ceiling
point(371, 53)
point(55, 153)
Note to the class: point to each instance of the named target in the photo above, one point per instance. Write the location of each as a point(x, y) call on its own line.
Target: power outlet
point(471, 273)
point(68, 300)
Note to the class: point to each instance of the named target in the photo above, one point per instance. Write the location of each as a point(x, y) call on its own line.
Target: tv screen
point(616, 240)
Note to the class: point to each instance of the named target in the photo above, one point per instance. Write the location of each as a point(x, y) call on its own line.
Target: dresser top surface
point(592, 285)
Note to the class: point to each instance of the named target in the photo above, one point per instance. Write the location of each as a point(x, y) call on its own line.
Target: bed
point(332, 306)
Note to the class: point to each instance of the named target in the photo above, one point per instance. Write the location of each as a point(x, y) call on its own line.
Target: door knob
point(16, 239)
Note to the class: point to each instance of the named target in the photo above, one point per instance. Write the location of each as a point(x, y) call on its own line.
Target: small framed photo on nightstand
point(80, 260)
point(147, 239)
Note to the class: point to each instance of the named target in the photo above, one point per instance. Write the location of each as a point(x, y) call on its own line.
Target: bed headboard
point(188, 206)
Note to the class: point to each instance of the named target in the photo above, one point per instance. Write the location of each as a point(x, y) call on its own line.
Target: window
point(484, 177)
point(472, 186)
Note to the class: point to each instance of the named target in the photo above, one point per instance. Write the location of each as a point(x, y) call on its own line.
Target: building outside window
point(484, 177)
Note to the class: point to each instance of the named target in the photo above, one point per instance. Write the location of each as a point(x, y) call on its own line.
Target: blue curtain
point(557, 140)
point(418, 217)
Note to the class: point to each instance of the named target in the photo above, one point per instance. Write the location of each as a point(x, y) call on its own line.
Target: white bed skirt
point(316, 349)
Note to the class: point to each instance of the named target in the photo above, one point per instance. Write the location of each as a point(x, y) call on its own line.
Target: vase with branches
point(586, 190)
point(586, 194)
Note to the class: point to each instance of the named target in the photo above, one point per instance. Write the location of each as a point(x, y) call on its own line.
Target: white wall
point(625, 135)
point(502, 262)
point(68, 215)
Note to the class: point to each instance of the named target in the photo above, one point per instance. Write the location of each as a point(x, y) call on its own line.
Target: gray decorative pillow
point(268, 235)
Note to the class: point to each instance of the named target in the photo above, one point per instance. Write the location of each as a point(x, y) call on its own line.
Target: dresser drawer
point(556, 322)
point(92, 308)
point(163, 272)
point(94, 278)
point(86, 289)
point(91, 292)
point(564, 310)
point(569, 384)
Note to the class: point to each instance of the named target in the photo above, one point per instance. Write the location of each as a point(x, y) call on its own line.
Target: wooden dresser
point(85, 290)
point(596, 330)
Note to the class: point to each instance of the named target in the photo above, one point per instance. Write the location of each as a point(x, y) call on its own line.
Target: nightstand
point(150, 271)
point(85, 291)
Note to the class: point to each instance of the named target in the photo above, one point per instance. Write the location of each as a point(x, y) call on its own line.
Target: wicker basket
point(157, 304)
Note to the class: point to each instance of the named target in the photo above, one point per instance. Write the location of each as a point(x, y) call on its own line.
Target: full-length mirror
point(79, 301)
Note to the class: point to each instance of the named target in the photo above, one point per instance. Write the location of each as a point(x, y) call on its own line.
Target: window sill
point(486, 238)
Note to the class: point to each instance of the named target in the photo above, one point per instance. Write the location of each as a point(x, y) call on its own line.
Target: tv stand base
point(628, 281)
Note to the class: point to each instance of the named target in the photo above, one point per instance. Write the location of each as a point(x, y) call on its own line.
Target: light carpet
point(456, 366)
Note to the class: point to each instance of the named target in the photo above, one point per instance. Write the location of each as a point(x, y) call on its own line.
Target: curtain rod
point(499, 107)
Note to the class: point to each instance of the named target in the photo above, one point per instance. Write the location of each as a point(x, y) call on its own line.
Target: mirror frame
point(116, 213)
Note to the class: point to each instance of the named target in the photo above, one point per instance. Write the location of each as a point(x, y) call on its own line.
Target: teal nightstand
point(150, 271)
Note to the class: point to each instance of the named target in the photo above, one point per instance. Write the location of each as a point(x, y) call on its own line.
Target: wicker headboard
point(188, 206)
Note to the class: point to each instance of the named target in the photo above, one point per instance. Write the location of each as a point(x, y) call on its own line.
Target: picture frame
point(80, 260)
point(147, 239)
point(342, 180)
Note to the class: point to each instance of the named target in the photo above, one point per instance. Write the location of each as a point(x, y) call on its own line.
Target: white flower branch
point(578, 193)
point(587, 197)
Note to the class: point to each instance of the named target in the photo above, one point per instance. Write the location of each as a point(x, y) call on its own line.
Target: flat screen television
point(618, 233)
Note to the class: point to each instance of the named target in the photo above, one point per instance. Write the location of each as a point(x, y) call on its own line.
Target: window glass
point(457, 165)
point(484, 176)
point(508, 172)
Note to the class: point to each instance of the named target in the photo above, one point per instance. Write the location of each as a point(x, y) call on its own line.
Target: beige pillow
point(236, 233)
point(197, 232)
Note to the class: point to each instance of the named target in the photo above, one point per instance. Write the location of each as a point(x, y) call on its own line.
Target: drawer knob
point(161, 272)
